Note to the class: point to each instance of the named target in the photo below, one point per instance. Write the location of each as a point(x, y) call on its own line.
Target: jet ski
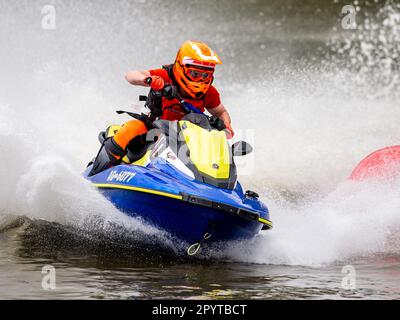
point(183, 180)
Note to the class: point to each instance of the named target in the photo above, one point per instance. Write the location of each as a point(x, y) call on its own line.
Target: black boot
point(110, 154)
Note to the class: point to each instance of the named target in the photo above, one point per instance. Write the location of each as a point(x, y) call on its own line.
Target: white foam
point(355, 220)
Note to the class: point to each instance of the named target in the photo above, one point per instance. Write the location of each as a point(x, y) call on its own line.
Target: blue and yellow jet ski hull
point(185, 208)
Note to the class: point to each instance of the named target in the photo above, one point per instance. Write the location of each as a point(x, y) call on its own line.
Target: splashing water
point(43, 186)
point(335, 221)
point(356, 220)
point(372, 53)
point(312, 124)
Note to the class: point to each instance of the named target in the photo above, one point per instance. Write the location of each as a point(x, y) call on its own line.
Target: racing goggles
point(199, 73)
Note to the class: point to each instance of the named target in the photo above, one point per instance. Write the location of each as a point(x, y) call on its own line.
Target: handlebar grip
point(217, 123)
point(170, 92)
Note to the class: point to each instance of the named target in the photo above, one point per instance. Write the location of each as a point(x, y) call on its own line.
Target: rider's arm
point(137, 78)
point(222, 113)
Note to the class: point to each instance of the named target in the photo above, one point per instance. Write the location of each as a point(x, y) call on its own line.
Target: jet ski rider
point(192, 74)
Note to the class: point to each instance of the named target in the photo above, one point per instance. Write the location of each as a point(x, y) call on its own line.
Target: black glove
point(217, 123)
point(169, 92)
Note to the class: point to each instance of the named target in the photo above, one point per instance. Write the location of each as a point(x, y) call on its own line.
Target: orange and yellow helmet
point(194, 68)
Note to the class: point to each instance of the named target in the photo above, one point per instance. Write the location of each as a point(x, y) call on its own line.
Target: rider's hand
point(169, 91)
point(229, 131)
point(155, 82)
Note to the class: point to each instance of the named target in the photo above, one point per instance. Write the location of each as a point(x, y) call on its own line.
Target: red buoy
point(384, 163)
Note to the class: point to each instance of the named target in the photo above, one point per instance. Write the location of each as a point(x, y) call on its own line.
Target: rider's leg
point(129, 131)
point(114, 149)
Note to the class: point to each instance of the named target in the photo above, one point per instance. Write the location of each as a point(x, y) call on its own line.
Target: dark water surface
point(103, 271)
